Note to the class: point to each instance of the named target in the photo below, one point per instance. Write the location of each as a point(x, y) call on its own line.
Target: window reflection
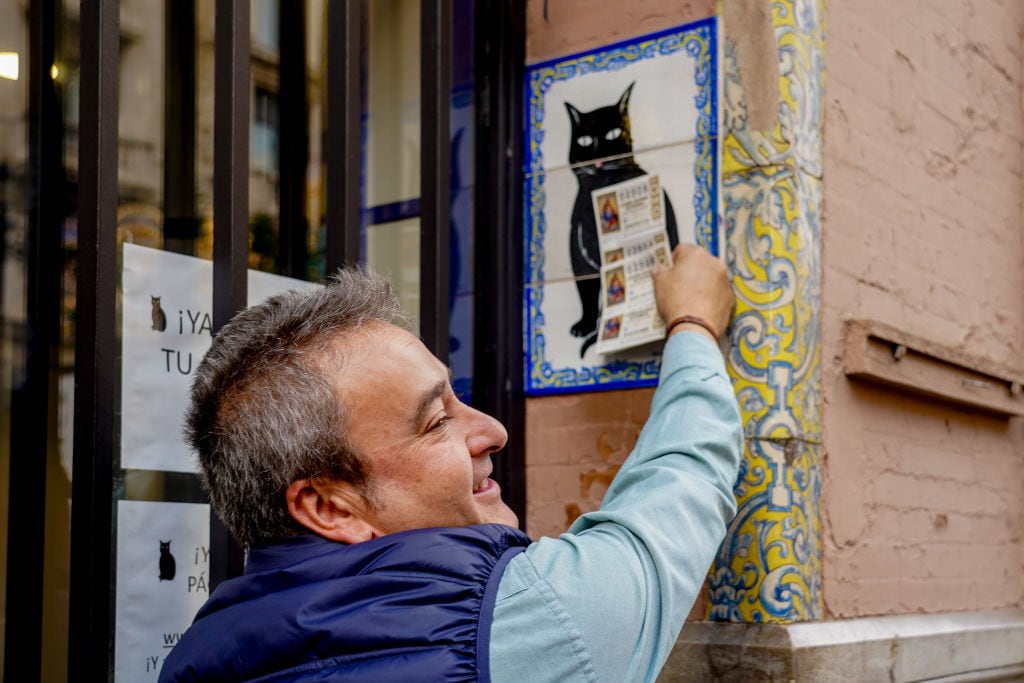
point(392, 163)
point(13, 156)
point(264, 132)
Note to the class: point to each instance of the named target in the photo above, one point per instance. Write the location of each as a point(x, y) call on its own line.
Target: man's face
point(428, 454)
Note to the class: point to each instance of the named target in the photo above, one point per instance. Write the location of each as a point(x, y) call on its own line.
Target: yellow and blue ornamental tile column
point(769, 566)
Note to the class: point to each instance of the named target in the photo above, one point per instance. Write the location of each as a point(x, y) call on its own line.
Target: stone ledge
point(960, 646)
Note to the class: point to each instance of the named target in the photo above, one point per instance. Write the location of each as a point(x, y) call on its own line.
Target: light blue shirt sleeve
point(606, 600)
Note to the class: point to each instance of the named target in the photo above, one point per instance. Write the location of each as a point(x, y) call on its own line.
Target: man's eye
point(441, 422)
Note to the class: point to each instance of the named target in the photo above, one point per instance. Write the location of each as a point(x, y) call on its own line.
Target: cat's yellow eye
point(613, 134)
point(584, 141)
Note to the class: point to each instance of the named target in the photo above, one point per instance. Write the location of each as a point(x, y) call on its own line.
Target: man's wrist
point(692, 327)
point(693, 323)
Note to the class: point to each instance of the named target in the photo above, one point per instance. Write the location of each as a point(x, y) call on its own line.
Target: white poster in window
point(162, 581)
point(166, 327)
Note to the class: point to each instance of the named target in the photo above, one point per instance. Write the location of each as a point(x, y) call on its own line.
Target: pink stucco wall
point(572, 26)
point(922, 502)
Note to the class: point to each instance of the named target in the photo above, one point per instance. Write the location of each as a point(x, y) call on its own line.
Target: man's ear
point(332, 509)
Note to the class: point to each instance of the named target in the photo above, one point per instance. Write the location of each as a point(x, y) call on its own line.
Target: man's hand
point(697, 284)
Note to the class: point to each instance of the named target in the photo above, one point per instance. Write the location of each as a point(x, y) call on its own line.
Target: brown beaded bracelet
point(691, 319)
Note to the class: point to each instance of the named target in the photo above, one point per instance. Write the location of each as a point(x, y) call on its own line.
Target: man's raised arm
point(606, 600)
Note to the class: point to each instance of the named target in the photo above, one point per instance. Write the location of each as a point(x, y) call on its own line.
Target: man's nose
point(486, 434)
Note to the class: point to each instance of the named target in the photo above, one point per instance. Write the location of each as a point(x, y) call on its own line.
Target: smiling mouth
point(484, 486)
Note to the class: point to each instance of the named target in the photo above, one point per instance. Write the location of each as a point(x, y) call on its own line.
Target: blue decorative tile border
point(699, 40)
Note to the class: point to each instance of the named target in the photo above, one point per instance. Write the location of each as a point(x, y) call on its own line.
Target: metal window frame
point(498, 366)
point(90, 619)
point(180, 224)
point(435, 173)
point(345, 68)
point(292, 139)
point(32, 398)
point(231, 119)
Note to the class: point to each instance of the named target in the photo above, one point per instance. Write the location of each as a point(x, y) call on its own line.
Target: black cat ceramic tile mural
point(643, 106)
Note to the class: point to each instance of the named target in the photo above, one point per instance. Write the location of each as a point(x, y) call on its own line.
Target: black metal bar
point(30, 392)
point(498, 234)
point(293, 139)
point(180, 225)
point(344, 130)
point(435, 172)
point(90, 628)
point(230, 210)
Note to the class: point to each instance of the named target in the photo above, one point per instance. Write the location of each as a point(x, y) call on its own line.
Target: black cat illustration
point(167, 564)
point(601, 154)
point(159, 317)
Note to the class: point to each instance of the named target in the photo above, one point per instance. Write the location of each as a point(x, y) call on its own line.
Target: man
point(334, 448)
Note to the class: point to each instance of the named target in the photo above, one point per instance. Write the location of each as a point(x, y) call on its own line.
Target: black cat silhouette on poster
point(601, 154)
point(168, 566)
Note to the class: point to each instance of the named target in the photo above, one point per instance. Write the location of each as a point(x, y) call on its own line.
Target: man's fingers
point(682, 250)
point(697, 284)
point(684, 247)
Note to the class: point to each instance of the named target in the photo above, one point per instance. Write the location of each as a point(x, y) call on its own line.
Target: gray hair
point(264, 410)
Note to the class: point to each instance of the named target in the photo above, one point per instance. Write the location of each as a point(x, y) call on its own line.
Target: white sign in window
point(166, 327)
point(163, 560)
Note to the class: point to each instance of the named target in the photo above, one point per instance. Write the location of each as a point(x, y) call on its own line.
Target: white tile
point(662, 105)
point(548, 253)
point(553, 355)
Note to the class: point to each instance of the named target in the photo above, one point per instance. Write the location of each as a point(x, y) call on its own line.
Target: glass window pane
point(13, 220)
point(393, 102)
point(392, 163)
point(393, 249)
point(392, 153)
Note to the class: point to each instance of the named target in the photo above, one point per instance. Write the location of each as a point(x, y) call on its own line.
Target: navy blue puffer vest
point(412, 606)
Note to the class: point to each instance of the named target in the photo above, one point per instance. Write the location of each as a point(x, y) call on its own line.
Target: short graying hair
point(264, 411)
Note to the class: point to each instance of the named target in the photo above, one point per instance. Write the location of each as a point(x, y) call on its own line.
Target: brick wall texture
point(922, 502)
